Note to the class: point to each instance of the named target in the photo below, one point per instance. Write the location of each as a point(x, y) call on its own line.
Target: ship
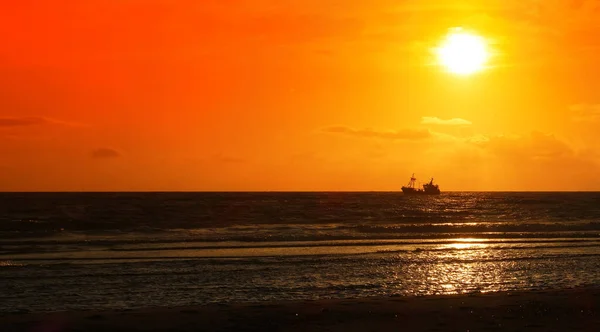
point(428, 188)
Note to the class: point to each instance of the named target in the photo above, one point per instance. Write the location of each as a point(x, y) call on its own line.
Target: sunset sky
point(296, 95)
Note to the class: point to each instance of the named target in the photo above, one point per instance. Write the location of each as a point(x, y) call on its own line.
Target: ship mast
point(411, 184)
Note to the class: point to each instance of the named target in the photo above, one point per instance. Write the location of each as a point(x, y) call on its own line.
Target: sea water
point(78, 251)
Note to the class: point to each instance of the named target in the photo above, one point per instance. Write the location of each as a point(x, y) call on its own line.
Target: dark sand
point(569, 310)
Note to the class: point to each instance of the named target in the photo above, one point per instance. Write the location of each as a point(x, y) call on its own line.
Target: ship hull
point(412, 191)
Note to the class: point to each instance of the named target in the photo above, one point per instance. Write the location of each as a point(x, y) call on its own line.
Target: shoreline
point(576, 309)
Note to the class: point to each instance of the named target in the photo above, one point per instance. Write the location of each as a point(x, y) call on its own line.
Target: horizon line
point(286, 191)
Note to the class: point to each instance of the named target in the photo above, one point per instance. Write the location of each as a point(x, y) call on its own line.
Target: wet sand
point(568, 310)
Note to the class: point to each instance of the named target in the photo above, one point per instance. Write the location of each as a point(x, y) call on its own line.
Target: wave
point(316, 244)
point(9, 263)
point(415, 258)
point(313, 232)
point(315, 249)
point(50, 213)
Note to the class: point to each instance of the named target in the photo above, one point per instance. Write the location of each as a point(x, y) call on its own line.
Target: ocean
point(84, 251)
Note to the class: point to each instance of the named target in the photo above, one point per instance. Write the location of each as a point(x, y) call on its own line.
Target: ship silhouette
point(428, 188)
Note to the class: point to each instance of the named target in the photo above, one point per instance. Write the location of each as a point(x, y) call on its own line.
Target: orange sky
point(295, 95)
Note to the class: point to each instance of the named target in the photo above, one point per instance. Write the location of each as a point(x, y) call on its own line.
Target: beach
point(559, 310)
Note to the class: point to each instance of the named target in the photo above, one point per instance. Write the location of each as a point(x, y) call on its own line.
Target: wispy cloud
point(404, 134)
point(228, 159)
point(25, 121)
point(22, 121)
point(536, 145)
point(450, 122)
point(585, 112)
point(105, 153)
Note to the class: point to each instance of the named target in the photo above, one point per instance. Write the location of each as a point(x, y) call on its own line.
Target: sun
point(463, 53)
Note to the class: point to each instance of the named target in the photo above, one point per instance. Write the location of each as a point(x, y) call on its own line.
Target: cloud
point(404, 134)
point(585, 112)
point(519, 148)
point(228, 159)
point(105, 153)
point(528, 161)
point(450, 122)
point(22, 121)
point(535, 146)
point(477, 139)
point(26, 121)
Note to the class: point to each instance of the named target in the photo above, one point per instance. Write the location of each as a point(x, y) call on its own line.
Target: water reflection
point(469, 240)
point(464, 266)
point(466, 245)
point(203, 274)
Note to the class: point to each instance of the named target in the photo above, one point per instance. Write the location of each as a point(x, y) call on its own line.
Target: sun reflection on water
point(469, 239)
point(464, 267)
point(467, 243)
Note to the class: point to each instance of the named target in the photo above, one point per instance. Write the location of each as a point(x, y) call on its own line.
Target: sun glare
point(462, 52)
